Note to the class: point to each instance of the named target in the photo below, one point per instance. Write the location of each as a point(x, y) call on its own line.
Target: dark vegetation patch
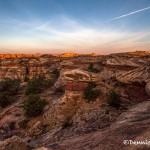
point(33, 105)
point(37, 84)
point(90, 94)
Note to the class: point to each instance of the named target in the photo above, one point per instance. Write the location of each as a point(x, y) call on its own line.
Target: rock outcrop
point(14, 143)
point(121, 61)
point(75, 82)
point(137, 75)
point(131, 125)
point(21, 68)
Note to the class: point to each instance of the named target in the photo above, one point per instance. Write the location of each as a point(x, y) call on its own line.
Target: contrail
point(131, 13)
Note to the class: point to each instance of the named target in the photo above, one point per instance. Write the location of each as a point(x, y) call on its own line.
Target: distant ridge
point(141, 53)
point(70, 54)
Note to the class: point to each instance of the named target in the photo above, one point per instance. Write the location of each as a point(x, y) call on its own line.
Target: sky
point(80, 26)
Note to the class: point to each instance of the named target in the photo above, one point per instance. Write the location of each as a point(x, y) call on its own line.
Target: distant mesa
point(135, 53)
point(64, 55)
point(68, 55)
point(4, 56)
point(71, 54)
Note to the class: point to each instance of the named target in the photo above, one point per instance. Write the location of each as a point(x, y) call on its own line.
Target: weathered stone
point(36, 129)
point(137, 75)
point(76, 86)
point(14, 143)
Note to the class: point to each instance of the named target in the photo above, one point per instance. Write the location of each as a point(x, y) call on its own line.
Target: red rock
point(76, 86)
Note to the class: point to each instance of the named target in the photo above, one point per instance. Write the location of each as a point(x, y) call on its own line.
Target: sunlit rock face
point(4, 56)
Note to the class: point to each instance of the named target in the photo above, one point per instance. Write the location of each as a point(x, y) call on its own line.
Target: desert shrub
point(37, 84)
point(67, 123)
point(11, 125)
point(33, 105)
point(5, 99)
point(10, 85)
point(23, 123)
point(113, 99)
point(60, 90)
point(56, 72)
point(91, 94)
point(91, 84)
point(91, 68)
point(26, 79)
point(17, 114)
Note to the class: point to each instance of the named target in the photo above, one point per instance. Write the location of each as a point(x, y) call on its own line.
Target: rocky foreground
point(72, 122)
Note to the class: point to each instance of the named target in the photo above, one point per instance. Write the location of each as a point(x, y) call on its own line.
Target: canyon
point(69, 121)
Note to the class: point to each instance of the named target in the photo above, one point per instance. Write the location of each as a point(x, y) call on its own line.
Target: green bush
point(5, 99)
point(56, 72)
point(26, 79)
point(37, 84)
point(33, 105)
point(91, 94)
point(113, 99)
point(10, 85)
point(60, 90)
point(23, 123)
point(91, 68)
point(67, 123)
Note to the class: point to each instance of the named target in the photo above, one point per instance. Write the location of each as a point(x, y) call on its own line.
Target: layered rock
point(123, 61)
point(137, 75)
point(21, 68)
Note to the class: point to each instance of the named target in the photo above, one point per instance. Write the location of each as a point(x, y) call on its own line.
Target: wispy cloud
point(67, 34)
point(131, 13)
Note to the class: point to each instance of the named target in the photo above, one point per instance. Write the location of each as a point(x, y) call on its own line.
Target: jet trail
point(131, 13)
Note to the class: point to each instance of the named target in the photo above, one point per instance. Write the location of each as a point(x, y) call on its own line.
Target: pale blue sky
point(82, 26)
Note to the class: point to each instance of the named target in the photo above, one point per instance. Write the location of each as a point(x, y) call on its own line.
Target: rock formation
point(125, 61)
point(137, 75)
point(20, 68)
point(75, 82)
point(132, 125)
